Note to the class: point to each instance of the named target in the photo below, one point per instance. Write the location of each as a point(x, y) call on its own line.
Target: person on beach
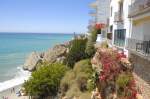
point(14, 90)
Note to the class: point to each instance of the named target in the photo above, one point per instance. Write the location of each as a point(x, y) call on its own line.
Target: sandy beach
point(12, 95)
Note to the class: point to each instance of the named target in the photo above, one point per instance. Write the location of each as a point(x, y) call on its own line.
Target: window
point(119, 37)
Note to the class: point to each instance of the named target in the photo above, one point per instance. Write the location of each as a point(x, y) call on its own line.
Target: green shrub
point(76, 51)
point(123, 80)
point(67, 81)
point(90, 49)
point(81, 80)
point(46, 80)
point(83, 66)
point(74, 83)
point(73, 91)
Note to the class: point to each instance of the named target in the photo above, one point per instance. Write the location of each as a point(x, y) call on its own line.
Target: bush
point(81, 80)
point(67, 81)
point(76, 51)
point(74, 83)
point(123, 80)
point(90, 50)
point(83, 66)
point(73, 91)
point(46, 80)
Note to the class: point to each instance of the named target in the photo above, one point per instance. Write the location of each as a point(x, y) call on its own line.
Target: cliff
point(55, 54)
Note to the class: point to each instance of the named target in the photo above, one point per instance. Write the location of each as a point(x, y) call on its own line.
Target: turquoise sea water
point(14, 48)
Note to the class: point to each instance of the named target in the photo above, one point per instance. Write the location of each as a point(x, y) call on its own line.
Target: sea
point(15, 48)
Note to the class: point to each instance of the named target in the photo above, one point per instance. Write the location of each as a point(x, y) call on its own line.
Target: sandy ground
point(11, 95)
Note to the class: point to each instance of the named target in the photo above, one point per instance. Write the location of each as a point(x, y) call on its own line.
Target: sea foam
point(20, 77)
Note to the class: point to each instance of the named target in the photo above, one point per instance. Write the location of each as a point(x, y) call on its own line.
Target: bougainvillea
point(99, 26)
point(111, 69)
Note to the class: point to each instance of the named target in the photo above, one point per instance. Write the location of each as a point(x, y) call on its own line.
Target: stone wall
point(142, 74)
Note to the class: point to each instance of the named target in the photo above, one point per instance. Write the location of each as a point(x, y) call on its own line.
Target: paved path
point(143, 85)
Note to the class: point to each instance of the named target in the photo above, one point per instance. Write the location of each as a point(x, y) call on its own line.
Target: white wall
point(141, 31)
point(126, 21)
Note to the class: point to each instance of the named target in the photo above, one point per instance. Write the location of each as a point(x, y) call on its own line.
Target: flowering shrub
point(99, 26)
point(112, 71)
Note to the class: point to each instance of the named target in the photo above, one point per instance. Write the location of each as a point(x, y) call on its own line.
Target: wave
point(20, 77)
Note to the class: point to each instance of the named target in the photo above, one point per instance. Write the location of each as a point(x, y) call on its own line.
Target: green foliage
point(46, 80)
point(76, 80)
point(76, 51)
point(83, 66)
point(123, 80)
point(67, 81)
point(90, 50)
point(92, 81)
point(94, 35)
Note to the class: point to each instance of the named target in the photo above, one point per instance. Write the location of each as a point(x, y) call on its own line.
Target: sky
point(44, 16)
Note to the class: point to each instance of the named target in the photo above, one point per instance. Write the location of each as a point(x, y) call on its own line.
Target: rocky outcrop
point(56, 54)
point(53, 55)
point(32, 61)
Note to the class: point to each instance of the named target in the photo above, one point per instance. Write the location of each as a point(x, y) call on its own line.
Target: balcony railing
point(118, 17)
point(139, 6)
point(139, 46)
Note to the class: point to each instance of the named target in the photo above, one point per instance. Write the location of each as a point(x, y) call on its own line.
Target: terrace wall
point(142, 74)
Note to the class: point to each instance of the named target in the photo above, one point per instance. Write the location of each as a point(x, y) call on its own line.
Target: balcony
point(118, 17)
point(93, 13)
point(139, 7)
point(139, 47)
point(94, 4)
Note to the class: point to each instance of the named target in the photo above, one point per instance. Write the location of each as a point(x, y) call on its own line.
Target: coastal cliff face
point(55, 54)
point(32, 61)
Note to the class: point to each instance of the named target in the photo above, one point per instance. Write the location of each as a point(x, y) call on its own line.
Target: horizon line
point(40, 33)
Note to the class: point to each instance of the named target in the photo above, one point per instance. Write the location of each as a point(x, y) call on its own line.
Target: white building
point(119, 24)
point(138, 43)
point(100, 15)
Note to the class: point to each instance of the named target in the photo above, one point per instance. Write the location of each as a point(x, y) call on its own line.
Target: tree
point(90, 50)
point(45, 81)
point(76, 51)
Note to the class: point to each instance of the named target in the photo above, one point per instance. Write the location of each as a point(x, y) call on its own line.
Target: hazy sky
point(44, 15)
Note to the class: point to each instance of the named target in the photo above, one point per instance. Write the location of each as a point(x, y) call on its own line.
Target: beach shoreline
point(11, 94)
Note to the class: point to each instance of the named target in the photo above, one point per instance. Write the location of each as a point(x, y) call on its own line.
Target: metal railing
point(138, 6)
point(139, 46)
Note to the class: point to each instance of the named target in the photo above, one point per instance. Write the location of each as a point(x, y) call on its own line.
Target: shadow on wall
point(141, 67)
